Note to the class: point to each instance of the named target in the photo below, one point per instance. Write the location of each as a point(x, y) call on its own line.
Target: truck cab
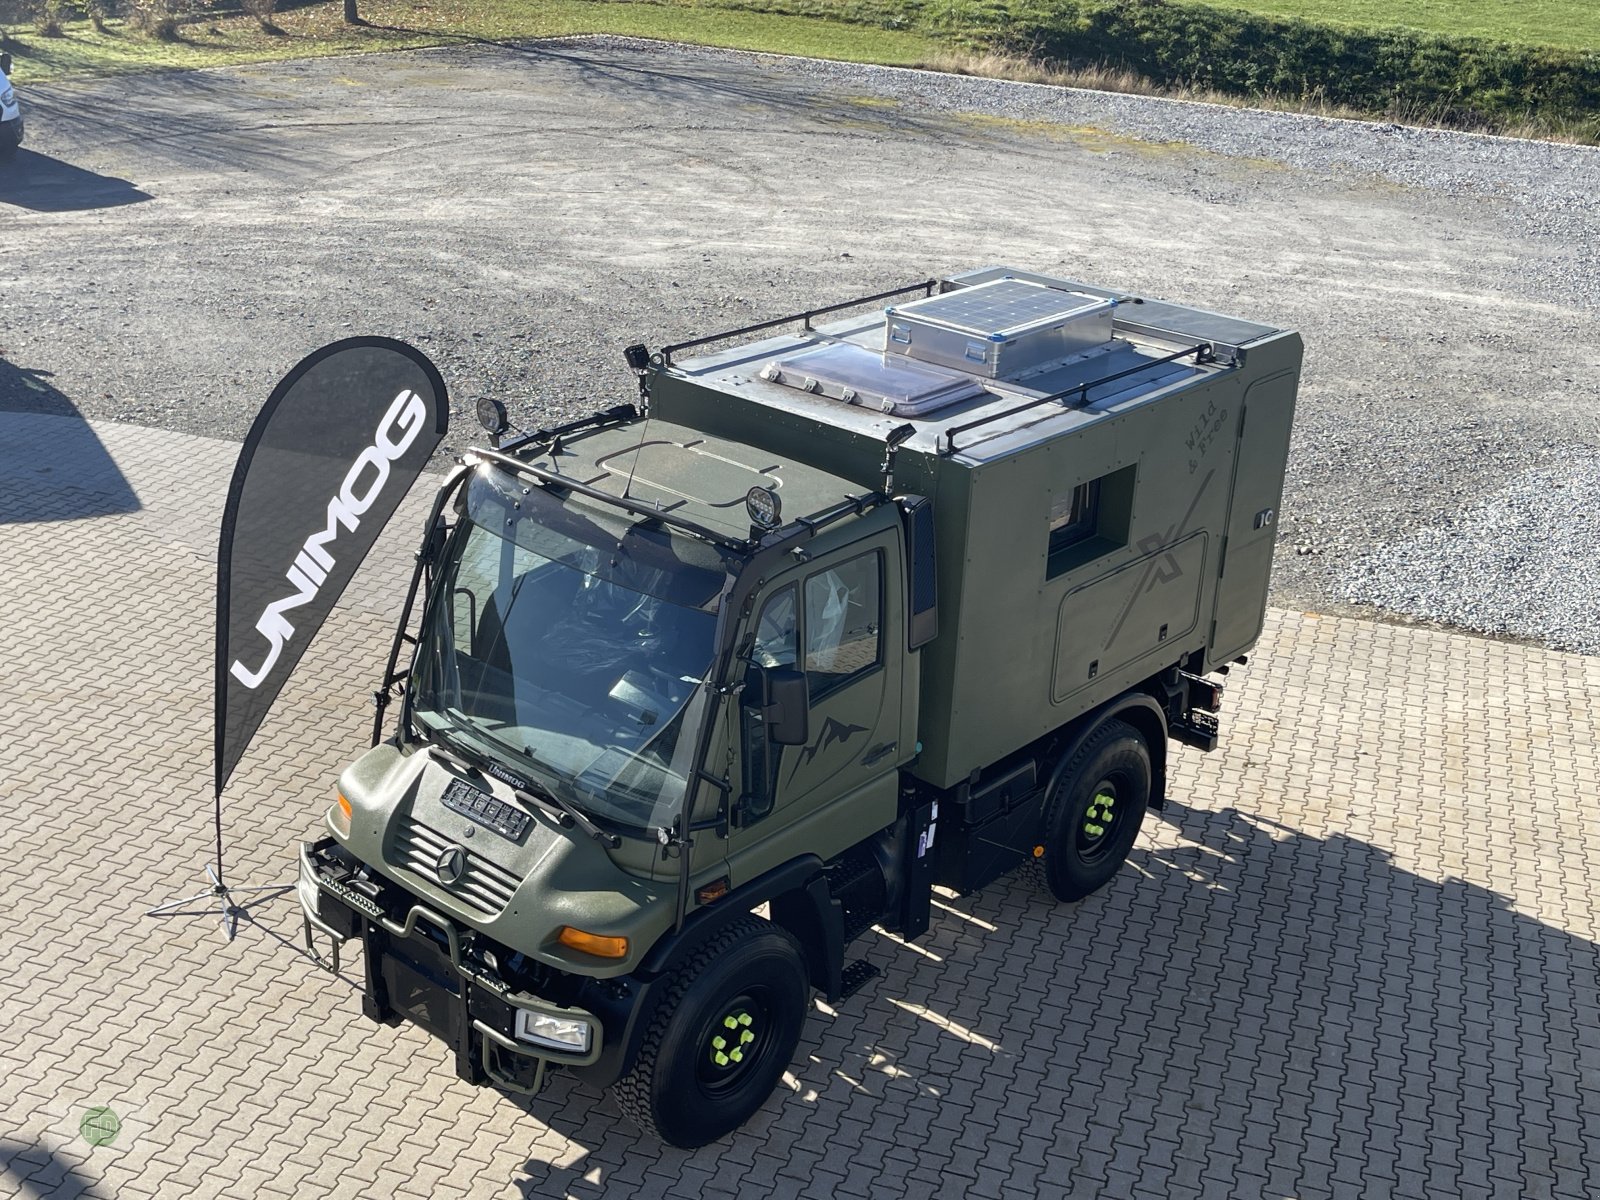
point(705, 686)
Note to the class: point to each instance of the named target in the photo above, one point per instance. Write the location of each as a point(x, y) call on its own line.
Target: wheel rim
point(735, 1043)
point(1102, 820)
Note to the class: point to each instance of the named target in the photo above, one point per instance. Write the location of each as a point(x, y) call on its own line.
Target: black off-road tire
point(677, 1091)
point(1092, 816)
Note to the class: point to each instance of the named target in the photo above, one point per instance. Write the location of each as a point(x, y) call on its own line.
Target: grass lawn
point(1570, 24)
point(318, 29)
point(968, 35)
point(896, 32)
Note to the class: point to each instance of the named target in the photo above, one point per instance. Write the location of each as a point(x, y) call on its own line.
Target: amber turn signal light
point(715, 890)
point(593, 943)
point(344, 806)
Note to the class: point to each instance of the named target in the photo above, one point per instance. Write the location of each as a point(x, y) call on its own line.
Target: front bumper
point(423, 967)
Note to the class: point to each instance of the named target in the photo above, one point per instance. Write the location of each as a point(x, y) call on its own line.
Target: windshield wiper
point(455, 758)
point(565, 814)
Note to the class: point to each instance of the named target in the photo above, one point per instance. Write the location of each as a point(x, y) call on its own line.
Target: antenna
point(627, 490)
point(638, 359)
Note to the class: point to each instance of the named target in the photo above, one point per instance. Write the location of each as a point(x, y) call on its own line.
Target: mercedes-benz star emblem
point(451, 865)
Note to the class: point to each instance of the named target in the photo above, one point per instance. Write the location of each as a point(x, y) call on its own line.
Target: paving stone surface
point(1356, 956)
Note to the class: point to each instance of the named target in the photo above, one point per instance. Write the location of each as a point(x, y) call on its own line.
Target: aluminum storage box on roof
point(1000, 328)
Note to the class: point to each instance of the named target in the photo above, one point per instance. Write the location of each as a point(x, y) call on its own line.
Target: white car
point(10, 112)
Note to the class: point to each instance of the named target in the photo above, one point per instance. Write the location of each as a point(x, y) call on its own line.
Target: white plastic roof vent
point(884, 383)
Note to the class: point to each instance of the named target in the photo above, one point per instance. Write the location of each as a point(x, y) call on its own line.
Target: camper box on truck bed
point(1084, 542)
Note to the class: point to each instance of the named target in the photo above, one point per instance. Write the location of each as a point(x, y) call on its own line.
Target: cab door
point(839, 619)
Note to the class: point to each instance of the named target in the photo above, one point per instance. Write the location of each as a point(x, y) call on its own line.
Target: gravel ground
point(175, 242)
point(1521, 563)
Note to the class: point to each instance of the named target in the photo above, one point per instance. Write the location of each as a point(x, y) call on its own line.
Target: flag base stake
point(222, 896)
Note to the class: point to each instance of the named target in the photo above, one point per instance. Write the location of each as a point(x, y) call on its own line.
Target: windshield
point(571, 646)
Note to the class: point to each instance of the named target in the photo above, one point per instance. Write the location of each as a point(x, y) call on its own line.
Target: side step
point(856, 976)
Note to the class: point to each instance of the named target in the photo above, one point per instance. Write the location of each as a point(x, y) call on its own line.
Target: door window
point(843, 623)
point(775, 631)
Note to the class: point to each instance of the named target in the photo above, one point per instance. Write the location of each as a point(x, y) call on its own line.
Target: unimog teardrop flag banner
point(328, 460)
point(339, 443)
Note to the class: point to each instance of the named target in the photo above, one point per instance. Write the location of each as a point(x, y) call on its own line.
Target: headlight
point(559, 1033)
point(306, 888)
point(8, 97)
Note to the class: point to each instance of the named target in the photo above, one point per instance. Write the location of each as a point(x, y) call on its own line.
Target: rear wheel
point(1093, 814)
point(721, 1037)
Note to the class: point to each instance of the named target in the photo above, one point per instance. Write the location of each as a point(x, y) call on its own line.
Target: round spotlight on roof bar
point(763, 506)
point(492, 416)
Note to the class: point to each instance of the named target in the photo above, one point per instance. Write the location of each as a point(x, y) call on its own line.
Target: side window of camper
point(1072, 516)
point(843, 623)
point(1090, 520)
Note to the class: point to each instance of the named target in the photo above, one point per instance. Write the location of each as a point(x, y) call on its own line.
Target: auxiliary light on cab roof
point(764, 507)
point(491, 414)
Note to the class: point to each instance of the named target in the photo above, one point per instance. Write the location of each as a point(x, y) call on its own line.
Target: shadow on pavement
point(35, 1172)
point(52, 466)
point(254, 122)
point(632, 71)
point(1290, 1015)
point(44, 184)
point(201, 119)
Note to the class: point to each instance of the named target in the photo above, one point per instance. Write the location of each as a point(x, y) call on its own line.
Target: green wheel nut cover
point(721, 1052)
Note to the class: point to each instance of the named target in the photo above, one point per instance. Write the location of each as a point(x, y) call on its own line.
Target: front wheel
point(1094, 811)
point(721, 1036)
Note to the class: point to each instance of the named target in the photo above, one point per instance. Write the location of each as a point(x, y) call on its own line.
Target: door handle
point(877, 753)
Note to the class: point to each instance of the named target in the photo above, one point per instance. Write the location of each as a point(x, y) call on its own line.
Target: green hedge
point(1456, 79)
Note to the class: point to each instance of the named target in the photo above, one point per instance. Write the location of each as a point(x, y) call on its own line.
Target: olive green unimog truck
point(696, 691)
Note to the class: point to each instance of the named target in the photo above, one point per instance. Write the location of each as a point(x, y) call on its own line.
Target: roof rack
point(926, 286)
point(1203, 354)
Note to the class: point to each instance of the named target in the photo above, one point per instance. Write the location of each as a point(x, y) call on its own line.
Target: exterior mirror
point(788, 707)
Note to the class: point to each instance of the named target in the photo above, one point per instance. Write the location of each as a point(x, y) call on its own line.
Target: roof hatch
point(856, 375)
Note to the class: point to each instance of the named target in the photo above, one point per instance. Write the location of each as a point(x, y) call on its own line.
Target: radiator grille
point(484, 886)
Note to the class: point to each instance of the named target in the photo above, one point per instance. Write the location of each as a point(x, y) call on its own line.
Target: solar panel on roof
point(999, 329)
point(1003, 306)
